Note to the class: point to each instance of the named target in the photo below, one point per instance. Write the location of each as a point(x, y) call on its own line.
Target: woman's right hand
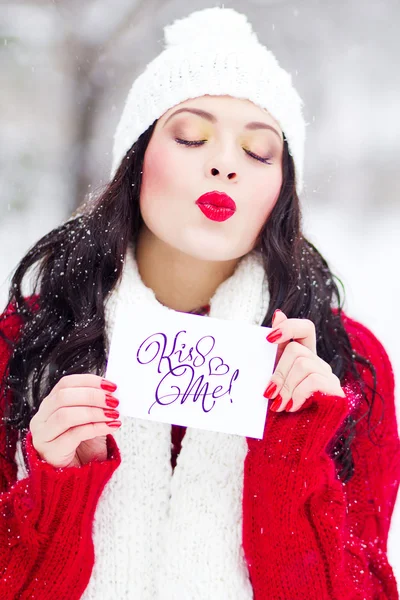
point(71, 425)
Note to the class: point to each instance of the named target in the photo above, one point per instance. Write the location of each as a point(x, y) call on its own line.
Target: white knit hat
point(212, 51)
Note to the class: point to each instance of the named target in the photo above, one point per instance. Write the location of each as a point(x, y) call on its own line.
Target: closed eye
point(201, 142)
point(189, 143)
point(264, 160)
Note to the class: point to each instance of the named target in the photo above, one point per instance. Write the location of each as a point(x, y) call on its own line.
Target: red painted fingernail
point(276, 403)
point(274, 335)
point(111, 414)
point(111, 401)
point(114, 424)
point(289, 405)
point(270, 391)
point(108, 385)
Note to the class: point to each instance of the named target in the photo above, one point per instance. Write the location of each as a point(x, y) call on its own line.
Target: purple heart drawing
point(222, 365)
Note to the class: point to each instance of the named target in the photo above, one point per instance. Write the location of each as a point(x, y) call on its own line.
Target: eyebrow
point(206, 115)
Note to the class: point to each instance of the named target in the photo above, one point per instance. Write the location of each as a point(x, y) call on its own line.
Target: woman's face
point(241, 160)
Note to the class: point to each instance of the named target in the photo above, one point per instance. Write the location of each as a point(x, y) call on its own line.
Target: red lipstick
point(216, 206)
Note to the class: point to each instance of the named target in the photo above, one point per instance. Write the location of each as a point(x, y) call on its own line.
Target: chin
point(206, 252)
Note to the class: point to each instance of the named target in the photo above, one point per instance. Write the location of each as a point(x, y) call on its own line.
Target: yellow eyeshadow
point(205, 131)
point(197, 133)
point(252, 139)
point(193, 131)
point(256, 143)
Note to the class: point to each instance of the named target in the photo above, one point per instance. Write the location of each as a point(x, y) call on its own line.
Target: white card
point(191, 370)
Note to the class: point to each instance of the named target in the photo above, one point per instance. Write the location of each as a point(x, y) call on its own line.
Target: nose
point(222, 159)
point(230, 175)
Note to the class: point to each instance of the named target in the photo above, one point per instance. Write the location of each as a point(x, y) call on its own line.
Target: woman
point(95, 512)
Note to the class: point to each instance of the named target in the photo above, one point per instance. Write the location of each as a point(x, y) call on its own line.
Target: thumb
point(278, 318)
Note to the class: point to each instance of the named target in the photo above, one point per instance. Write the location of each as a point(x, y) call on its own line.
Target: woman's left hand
point(298, 371)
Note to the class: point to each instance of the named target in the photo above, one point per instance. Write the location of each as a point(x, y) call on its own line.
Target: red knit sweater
point(306, 535)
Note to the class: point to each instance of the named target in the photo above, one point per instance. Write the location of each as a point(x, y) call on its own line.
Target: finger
point(316, 382)
point(67, 443)
point(300, 330)
point(292, 351)
point(302, 367)
point(278, 317)
point(67, 396)
point(81, 380)
point(69, 417)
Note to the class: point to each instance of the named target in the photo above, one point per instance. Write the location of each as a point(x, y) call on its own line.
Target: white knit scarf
point(163, 535)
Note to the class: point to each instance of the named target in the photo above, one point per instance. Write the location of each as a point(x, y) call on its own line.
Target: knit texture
point(198, 60)
point(304, 534)
point(46, 547)
point(165, 533)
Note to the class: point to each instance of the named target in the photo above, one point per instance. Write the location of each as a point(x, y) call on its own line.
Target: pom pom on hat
point(215, 23)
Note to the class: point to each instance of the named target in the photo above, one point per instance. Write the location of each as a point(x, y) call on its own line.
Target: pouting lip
point(217, 199)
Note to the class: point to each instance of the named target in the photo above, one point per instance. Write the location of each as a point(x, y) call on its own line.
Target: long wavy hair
point(80, 262)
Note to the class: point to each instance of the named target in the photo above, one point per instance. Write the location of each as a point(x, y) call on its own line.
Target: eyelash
point(200, 142)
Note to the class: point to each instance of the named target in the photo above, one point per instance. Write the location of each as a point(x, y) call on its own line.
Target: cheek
point(265, 193)
point(157, 172)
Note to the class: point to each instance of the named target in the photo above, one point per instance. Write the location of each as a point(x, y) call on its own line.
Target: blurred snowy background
point(66, 67)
